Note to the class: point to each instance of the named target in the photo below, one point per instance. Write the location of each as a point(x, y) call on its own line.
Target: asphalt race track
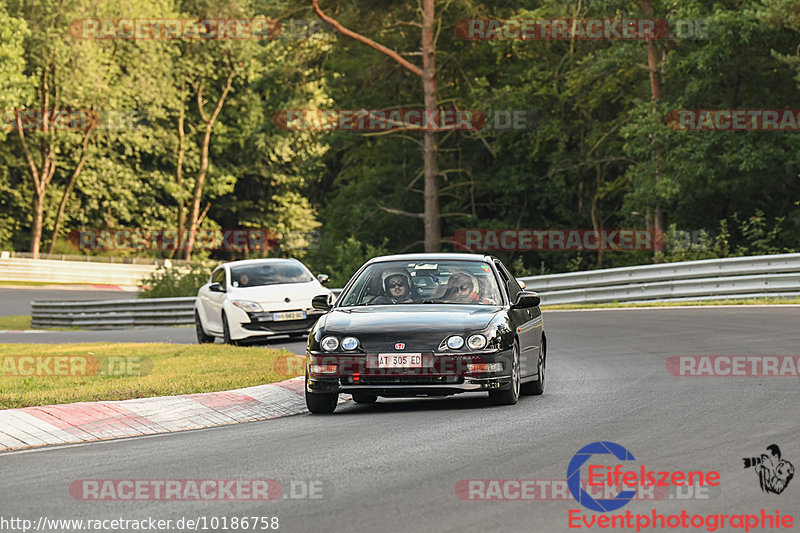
point(175, 334)
point(394, 466)
point(17, 301)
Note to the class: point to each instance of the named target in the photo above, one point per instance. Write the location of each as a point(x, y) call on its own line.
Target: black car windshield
point(420, 282)
point(271, 273)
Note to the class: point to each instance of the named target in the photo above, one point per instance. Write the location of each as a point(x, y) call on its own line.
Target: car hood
point(265, 294)
point(409, 318)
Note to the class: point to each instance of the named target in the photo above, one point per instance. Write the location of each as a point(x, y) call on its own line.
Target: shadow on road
point(474, 401)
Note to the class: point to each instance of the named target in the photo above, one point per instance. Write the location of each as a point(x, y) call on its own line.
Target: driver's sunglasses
point(463, 288)
point(394, 284)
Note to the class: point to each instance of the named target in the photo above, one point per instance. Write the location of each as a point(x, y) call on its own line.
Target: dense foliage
point(174, 282)
point(598, 152)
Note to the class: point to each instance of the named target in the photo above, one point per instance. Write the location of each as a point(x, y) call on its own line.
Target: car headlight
point(329, 344)
point(476, 342)
point(455, 342)
point(247, 305)
point(349, 343)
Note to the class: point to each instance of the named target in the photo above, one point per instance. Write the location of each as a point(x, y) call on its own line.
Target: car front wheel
point(202, 338)
point(226, 332)
point(509, 396)
point(535, 388)
point(321, 402)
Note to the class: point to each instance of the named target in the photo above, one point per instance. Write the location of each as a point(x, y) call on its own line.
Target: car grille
point(282, 326)
point(402, 380)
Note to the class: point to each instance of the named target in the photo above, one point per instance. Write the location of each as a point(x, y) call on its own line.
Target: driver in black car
point(397, 288)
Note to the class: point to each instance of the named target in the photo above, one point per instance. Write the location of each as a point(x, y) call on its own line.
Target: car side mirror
point(526, 299)
point(521, 283)
point(322, 302)
point(216, 287)
point(323, 278)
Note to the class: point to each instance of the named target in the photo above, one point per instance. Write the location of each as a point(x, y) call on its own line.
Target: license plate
point(406, 360)
point(291, 315)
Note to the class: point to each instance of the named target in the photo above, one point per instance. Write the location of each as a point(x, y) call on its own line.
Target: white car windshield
point(402, 282)
point(272, 273)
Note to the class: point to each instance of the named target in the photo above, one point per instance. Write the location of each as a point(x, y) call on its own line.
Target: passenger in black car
point(461, 289)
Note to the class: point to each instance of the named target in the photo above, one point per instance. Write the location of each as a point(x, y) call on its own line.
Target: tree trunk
point(194, 220)
point(198, 193)
point(179, 170)
point(71, 184)
point(655, 89)
point(658, 235)
point(431, 216)
point(38, 217)
point(595, 214)
point(40, 181)
point(433, 233)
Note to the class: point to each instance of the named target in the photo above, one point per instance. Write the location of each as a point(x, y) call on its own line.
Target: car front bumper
point(251, 325)
point(441, 375)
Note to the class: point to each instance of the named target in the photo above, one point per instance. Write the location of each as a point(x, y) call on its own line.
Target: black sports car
point(426, 325)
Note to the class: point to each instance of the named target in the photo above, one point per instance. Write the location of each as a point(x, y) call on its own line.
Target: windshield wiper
point(432, 302)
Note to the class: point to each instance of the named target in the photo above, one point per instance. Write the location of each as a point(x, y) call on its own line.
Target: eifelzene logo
point(774, 473)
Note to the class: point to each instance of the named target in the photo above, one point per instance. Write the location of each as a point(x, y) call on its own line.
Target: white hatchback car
point(257, 298)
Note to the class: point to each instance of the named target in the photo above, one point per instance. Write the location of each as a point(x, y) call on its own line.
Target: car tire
point(321, 402)
point(202, 338)
point(509, 396)
point(535, 388)
point(226, 332)
point(359, 397)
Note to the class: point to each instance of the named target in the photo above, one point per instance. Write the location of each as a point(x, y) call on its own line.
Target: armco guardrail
point(51, 271)
point(739, 277)
point(103, 314)
point(113, 313)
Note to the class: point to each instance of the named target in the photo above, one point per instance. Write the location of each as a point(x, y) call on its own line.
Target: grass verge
point(153, 369)
point(15, 322)
point(744, 301)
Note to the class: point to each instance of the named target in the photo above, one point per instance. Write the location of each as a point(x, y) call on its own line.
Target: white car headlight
point(349, 343)
point(476, 342)
point(455, 342)
point(329, 344)
point(247, 305)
